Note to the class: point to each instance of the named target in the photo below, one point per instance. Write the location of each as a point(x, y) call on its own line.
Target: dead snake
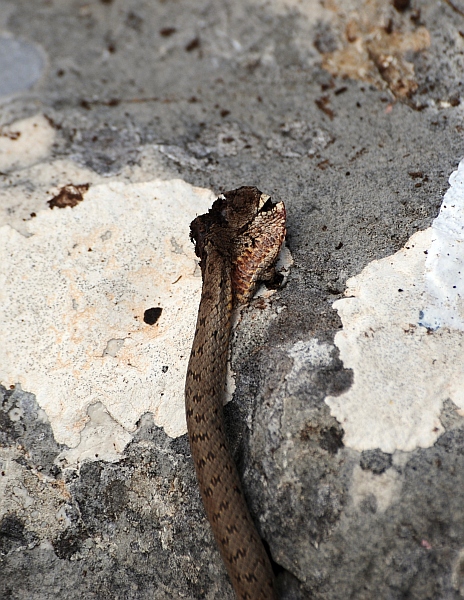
point(237, 242)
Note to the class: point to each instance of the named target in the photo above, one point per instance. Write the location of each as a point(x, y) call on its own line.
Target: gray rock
point(224, 95)
point(21, 65)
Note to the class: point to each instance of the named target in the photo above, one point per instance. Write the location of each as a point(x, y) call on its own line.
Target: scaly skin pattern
point(238, 241)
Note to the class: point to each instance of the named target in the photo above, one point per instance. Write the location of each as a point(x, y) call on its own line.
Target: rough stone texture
point(221, 95)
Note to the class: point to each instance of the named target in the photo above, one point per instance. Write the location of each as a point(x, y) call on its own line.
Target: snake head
point(230, 214)
point(245, 229)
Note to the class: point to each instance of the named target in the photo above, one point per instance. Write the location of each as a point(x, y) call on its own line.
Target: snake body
point(237, 242)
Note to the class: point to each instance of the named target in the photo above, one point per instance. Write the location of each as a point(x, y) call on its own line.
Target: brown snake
point(237, 242)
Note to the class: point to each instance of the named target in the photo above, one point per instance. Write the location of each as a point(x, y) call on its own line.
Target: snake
point(237, 242)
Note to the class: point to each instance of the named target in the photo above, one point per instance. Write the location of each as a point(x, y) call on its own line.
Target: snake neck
point(207, 369)
point(238, 541)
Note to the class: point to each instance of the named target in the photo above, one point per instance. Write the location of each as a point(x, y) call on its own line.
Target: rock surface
point(349, 112)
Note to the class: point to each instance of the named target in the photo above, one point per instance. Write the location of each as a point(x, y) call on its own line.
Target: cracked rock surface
point(351, 113)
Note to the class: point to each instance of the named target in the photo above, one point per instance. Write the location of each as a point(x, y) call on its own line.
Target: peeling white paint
point(76, 333)
point(82, 279)
point(26, 191)
point(403, 371)
point(444, 267)
point(101, 439)
point(25, 142)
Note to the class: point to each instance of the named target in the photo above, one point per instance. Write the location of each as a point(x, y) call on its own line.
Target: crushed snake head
point(248, 230)
point(238, 242)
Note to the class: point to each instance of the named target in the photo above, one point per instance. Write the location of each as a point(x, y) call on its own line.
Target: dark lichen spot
point(323, 105)
point(11, 135)
point(167, 31)
point(375, 461)
point(193, 44)
point(151, 315)
point(134, 21)
point(69, 195)
point(331, 440)
point(12, 527)
point(401, 5)
point(12, 533)
point(115, 498)
point(68, 543)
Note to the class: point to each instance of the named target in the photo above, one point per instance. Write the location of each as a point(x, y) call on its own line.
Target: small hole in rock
point(151, 315)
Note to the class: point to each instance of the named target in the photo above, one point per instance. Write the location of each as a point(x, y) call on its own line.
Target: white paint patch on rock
point(101, 439)
point(26, 192)
point(444, 267)
point(385, 488)
point(81, 280)
point(25, 142)
point(404, 371)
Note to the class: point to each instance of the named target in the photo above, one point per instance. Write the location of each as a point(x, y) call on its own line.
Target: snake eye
point(267, 206)
point(264, 198)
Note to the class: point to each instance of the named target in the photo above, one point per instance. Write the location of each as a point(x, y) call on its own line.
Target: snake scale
point(238, 242)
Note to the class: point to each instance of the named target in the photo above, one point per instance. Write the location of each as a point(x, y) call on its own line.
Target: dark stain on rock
point(68, 543)
point(168, 31)
point(115, 498)
point(8, 431)
point(323, 104)
point(69, 195)
point(193, 44)
point(11, 135)
point(376, 461)
point(335, 380)
point(11, 533)
point(134, 21)
point(12, 527)
point(401, 5)
point(151, 315)
point(331, 439)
